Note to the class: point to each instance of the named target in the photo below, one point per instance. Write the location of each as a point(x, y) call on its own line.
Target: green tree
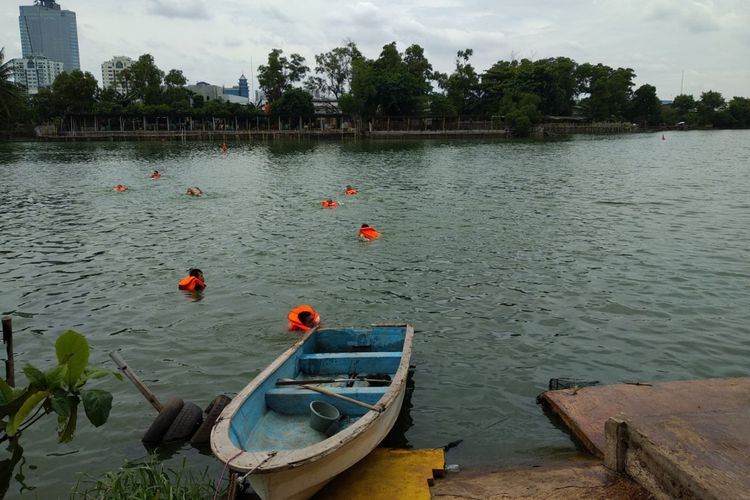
point(685, 109)
point(175, 78)
point(521, 111)
point(739, 108)
point(74, 92)
point(10, 93)
point(142, 80)
point(709, 106)
point(645, 108)
point(609, 90)
point(294, 103)
point(280, 73)
point(462, 86)
point(336, 70)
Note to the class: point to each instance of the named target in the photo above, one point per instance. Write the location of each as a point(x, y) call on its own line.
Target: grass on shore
point(146, 480)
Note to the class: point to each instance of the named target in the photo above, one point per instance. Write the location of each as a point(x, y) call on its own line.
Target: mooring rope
point(221, 478)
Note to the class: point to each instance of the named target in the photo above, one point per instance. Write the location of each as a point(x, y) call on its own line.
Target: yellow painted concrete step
point(388, 474)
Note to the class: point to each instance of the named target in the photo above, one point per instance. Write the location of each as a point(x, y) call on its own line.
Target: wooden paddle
point(288, 381)
point(336, 395)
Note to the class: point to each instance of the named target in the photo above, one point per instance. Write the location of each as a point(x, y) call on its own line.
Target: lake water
point(619, 258)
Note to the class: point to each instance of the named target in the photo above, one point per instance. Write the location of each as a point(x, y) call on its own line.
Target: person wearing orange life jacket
point(329, 203)
point(194, 281)
point(350, 191)
point(303, 318)
point(120, 188)
point(155, 174)
point(367, 232)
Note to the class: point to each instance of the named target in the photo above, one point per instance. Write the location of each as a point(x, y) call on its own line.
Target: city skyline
point(658, 39)
point(50, 31)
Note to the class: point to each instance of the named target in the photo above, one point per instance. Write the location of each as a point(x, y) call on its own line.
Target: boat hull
point(252, 435)
point(303, 482)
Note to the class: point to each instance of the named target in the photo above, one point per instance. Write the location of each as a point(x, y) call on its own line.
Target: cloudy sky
point(708, 40)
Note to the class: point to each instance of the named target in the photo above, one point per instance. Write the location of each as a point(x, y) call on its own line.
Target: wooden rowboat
point(264, 433)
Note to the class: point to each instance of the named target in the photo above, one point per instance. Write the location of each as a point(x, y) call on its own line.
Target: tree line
point(519, 92)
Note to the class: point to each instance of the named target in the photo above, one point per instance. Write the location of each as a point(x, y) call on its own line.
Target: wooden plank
point(584, 411)
point(296, 401)
point(349, 362)
point(702, 454)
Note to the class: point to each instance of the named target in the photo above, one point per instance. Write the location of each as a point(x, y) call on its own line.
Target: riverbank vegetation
point(518, 93)
point(59, 391)
point(148, 479)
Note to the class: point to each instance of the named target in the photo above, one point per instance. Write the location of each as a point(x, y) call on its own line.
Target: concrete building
point(35, 72)
point(214, 92)
point(49, 31)
point(112, 68)
point(241, 90)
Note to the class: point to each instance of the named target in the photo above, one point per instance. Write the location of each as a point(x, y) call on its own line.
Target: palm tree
point(9, 90)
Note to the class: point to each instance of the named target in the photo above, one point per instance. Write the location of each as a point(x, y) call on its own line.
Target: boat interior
point(358, 363)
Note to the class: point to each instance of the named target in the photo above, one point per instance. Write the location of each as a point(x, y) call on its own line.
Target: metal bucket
point(324, 417)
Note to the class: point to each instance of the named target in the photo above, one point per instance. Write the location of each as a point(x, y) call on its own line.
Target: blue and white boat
point(265, 433)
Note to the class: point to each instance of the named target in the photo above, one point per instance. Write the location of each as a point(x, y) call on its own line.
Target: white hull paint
point(303, 482)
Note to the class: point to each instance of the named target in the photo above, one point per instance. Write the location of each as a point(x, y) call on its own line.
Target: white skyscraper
point(112, 68)
point(35, 72)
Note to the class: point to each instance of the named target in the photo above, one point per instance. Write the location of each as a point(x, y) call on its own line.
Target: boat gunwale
point(263, 462)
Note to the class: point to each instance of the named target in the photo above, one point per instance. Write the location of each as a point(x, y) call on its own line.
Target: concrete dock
point(684, 439)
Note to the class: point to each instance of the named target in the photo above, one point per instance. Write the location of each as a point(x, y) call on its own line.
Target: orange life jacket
point(332, 204)
point(293, 316)
point(120, 189)
point(369, 233)
point(191, 283)
point(155, 176)
point(350, 191)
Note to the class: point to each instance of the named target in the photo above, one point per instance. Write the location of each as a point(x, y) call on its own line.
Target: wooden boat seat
point(337, 363)
point(296, 400)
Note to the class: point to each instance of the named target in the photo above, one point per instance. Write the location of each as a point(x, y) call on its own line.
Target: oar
point(342, 397)
point(286, 381)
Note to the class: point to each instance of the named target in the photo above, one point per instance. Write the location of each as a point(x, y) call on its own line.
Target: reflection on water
point(397, 437)
point(597, 258)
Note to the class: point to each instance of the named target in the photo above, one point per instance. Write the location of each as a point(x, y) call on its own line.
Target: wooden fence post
point(10, 374)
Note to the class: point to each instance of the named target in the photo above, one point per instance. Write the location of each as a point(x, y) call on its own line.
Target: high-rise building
point(112, 68)
point(49, 31)
point(35, 72)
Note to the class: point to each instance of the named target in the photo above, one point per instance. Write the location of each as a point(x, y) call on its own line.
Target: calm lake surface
point(621, 258)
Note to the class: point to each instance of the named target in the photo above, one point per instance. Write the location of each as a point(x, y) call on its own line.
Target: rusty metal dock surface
point(585, 410)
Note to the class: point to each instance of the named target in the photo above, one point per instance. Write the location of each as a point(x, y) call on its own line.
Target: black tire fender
point(213, 410)
point(185, 423)
point(163, 421)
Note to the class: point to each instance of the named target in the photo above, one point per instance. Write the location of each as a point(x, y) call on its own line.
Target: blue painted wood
point(296, 401)
point(328, 352)
point(349, 362)
point(360, 339)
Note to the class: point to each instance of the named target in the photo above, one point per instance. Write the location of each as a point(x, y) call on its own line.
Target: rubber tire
point(185, 424)
point(163, 421)
point(203, 435)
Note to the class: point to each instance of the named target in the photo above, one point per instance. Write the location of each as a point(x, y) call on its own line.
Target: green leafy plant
point(58, 390)
point(147, 480)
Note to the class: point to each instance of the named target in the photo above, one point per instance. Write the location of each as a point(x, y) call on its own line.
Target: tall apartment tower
point(49, 31)
point(112, 68)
